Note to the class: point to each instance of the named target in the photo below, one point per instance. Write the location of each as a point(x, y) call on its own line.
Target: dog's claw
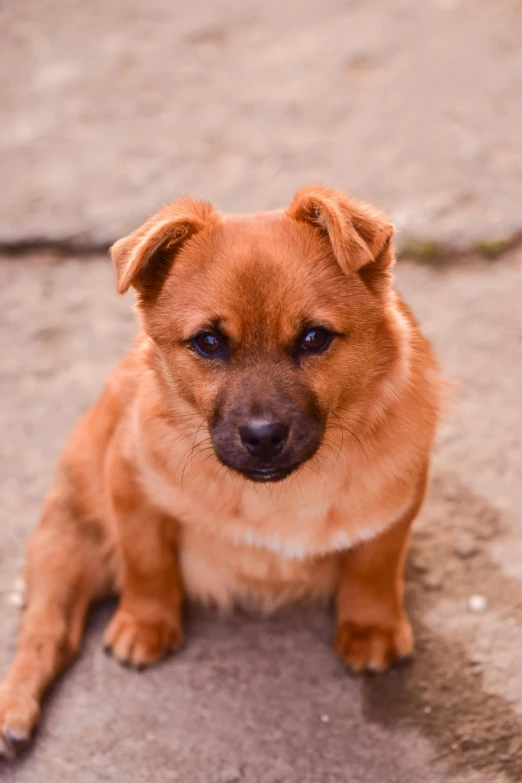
point(139, 644)
point(373, 649)
point(18, 715)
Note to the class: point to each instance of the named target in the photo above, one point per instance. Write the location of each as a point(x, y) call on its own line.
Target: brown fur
point(141, 505)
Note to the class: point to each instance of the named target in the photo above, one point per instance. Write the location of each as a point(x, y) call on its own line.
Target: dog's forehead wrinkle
point(267, 235)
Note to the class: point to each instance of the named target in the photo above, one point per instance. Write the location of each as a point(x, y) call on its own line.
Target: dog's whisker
point(185, 456)
point(347, 428)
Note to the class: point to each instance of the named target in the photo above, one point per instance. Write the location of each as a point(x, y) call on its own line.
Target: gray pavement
point(111, 108)
point(108, 109)
point(265, 701)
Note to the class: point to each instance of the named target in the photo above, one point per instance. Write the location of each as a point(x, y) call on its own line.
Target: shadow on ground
point(442, 694)
point(260, 664)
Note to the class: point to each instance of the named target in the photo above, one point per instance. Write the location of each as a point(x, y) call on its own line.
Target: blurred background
point(109, 109)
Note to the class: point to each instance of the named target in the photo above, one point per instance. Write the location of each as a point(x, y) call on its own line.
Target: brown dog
point(274, 348)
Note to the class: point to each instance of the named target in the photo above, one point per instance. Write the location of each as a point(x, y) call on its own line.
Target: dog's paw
point(19, 713)
point(134, 642)
point(373, 649)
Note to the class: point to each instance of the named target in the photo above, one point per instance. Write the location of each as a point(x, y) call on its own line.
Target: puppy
point(266, 440)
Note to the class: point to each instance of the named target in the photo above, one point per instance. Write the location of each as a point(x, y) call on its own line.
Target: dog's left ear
point(359, 234)
point(142, 259)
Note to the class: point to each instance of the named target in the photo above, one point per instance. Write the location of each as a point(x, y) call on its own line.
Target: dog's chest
point(225, 573)
point(264, 547)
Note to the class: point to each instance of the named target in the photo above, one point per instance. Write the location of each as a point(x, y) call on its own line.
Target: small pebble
point(427, 710)
point(465, 546)
point(476, 603)
point(325, 718)
point(16, 599)
point(19, 585)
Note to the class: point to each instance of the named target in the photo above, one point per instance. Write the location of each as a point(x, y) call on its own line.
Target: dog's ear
point(359, 234)
point(143, 258)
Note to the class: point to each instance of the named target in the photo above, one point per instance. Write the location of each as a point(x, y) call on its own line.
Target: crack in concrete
point(423, 251)
point(64, 246)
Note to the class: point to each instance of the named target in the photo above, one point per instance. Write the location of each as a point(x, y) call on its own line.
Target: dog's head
point(267, 325)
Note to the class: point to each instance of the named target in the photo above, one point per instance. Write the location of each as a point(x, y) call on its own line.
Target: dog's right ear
point(143, 258)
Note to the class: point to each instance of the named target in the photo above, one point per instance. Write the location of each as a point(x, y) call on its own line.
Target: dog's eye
point(208, 344)
point(315, 340)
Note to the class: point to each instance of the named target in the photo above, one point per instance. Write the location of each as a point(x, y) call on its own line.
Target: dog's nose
point(264, 439)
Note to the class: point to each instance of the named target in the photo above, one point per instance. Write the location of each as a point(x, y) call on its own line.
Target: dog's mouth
point(265, 475)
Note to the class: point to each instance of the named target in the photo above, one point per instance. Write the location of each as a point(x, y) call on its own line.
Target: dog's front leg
point(372, 627)
point(148, 622)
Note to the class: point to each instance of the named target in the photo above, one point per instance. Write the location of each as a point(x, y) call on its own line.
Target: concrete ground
point(110, 108)
point(265, 701)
